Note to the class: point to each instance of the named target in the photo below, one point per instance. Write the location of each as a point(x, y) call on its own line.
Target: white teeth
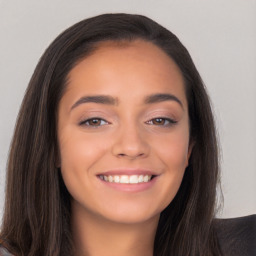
point(134, 179)
point(145, 178)
point(116, 179)
point(125, 179)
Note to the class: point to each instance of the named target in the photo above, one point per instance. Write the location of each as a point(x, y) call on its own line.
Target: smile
point(126, 179)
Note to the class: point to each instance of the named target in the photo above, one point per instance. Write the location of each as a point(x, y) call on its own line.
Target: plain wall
point(220, 36)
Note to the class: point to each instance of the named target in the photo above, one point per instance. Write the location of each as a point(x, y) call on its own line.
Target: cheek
point(173, 154)
point(76, 147)
point(79, 154)
point(173, 149)
point(176, 154)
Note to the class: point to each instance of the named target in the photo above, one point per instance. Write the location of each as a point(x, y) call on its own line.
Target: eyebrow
point(100, 99)
point(160, 97)
point(110, 100)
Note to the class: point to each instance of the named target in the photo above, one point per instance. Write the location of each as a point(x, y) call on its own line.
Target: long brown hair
point(37, 207)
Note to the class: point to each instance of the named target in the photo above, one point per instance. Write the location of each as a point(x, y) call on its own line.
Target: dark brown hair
point(37, 206)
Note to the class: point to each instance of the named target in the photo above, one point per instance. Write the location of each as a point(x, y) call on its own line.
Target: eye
point(162, 121)
point(94, 122)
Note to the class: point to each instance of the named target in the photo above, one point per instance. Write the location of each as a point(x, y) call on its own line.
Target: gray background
point(220, 35)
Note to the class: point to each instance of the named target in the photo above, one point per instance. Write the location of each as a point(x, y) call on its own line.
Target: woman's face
point(123, 132)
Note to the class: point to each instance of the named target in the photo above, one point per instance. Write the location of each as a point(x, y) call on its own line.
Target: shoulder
point(237, 236)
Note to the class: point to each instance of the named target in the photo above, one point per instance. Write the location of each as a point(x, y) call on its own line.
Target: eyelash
point(167, 122)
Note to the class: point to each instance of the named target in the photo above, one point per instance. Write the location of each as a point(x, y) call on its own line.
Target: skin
point(128, 136)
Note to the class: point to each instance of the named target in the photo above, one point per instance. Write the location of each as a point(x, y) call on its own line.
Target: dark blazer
point(236, 237)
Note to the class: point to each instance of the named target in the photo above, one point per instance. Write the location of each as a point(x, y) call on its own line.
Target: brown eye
point(161, 121)
point(94, 122)
point(158, 121)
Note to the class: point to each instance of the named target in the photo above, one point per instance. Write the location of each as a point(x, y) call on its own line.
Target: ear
point(190, 148)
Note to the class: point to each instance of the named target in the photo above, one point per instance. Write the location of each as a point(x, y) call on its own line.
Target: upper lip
point(129, 171)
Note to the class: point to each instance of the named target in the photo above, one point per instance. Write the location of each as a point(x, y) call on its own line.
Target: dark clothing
point(236, 237)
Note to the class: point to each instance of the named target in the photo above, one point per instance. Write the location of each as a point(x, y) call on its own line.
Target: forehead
point(126, 68)
point(139, 51)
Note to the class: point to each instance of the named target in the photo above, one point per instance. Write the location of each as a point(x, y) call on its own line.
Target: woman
point(115, 150)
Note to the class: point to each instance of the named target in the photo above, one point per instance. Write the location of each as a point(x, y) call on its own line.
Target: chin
point(132, 217)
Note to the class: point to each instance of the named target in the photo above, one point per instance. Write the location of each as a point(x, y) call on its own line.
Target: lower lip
point(137, 187)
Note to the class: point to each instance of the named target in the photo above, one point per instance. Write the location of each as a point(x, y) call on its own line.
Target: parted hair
point(36, 220)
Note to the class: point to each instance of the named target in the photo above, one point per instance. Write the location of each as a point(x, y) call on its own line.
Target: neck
point(96, 236)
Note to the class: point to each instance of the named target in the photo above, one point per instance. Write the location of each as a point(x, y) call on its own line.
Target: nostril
point(131, 155)
point(128, 149)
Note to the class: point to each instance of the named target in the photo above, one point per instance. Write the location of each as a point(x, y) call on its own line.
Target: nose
point(131, 143)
